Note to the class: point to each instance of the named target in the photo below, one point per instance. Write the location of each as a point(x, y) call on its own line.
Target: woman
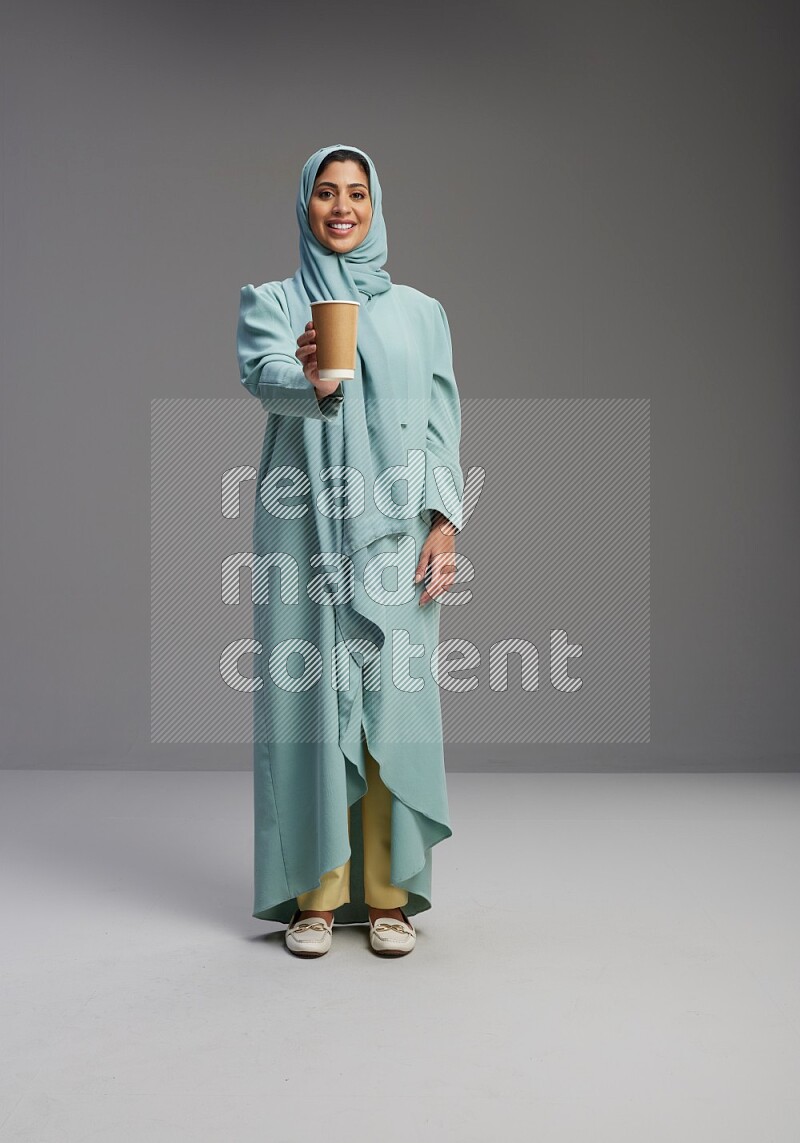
point(356, 478)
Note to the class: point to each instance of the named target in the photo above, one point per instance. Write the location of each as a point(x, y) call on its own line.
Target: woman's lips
point(340, 229)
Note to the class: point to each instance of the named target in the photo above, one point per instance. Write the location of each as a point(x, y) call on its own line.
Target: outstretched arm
point(268, 366)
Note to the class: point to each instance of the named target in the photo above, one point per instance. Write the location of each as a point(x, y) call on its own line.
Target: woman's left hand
point(438, 555)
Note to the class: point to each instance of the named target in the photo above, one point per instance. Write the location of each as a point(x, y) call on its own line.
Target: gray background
point(613, 187)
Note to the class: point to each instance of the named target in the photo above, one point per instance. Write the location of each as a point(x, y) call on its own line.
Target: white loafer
point(391, 937)
point(309, 937)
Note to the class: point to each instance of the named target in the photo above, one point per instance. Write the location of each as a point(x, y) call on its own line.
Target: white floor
point(609, 958)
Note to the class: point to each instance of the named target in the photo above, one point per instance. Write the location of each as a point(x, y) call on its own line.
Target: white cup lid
point(336, 302)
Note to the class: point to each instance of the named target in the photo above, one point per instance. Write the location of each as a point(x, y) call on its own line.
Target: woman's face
point(340, 195)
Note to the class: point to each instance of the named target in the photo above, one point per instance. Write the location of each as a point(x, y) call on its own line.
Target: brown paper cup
point(336, 328)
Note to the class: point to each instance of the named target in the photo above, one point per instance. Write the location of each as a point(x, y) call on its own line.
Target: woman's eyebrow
point(326, 184)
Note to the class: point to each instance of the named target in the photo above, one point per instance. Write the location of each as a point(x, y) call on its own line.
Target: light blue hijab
point(327, 274)
point(376, 399)
point(359, 275)
point(370, 437)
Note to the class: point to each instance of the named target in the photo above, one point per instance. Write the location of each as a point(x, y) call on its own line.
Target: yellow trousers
point(376, 827)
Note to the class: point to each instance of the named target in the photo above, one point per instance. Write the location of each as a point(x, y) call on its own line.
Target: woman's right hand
point(307, 356)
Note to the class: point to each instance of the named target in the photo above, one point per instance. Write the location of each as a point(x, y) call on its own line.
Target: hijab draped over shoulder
point(375, 403)
point(372, 434)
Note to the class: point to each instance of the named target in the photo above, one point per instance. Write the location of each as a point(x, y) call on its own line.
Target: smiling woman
point(351, 771)
point(340, 211)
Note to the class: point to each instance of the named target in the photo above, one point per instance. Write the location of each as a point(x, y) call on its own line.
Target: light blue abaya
point(342, 480)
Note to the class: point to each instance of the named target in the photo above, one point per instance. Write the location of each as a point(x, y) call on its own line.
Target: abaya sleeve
point(266, 347)
point(444, 489)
